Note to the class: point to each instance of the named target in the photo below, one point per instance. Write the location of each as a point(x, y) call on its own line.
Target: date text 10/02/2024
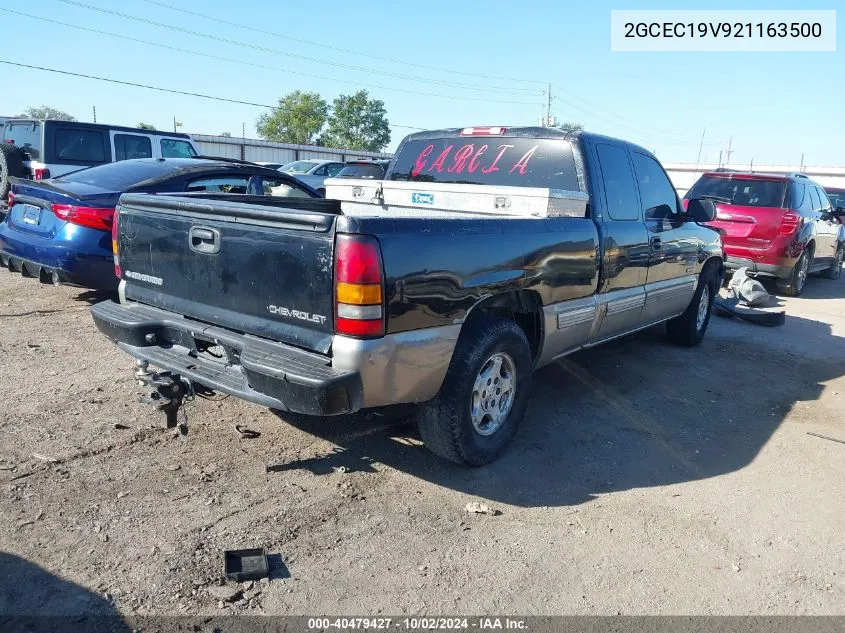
point(417, 623)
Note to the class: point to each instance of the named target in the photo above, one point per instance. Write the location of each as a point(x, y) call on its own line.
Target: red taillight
point(483, 131)
point(10, 200)
point(789, 222)
point(40, 173)
point(358, 287)
point(9, 141)
point(117, 271)
point(92, 217)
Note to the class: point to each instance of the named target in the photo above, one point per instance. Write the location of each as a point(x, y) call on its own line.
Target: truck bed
point(272, 275)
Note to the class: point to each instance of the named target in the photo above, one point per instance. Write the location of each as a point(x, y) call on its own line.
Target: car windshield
point(362, 170)
point(837, 198)
point(120, 176)
point(747, 192)
point(299, 166)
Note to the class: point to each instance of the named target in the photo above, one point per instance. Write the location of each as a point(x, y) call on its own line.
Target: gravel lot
point(647, 479)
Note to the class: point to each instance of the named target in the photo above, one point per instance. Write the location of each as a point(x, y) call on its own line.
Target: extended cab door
point(625, 255)
point(673, 243)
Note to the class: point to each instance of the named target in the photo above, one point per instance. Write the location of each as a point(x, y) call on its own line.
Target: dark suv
point(776, 225)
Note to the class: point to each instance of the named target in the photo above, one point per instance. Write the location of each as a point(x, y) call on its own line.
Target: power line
point(159, 89)
point(619, 119)
point(246, 63)
point(392, 60)
point(275, 51)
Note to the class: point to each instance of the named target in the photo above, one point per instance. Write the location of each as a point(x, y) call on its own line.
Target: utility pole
point(700, 146)
point(729, 152)
point(174, 122)
point(547, 122)
point(95, 113)
point(802, 163)
point(243, 140)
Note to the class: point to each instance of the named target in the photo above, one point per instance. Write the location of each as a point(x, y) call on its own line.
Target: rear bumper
point(73, 265)
point(264, 372)
point(781, 270)
point(404, 367)
point(82, 273)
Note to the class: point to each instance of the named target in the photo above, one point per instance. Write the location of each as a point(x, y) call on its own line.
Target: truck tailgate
point(246, 266)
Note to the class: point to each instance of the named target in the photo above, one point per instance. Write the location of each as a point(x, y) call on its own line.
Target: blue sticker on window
point(422, 198)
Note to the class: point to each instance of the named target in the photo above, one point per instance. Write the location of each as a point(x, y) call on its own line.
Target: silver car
point(313, 171)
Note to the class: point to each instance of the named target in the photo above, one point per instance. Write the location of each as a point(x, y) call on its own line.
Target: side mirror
point(701, 210)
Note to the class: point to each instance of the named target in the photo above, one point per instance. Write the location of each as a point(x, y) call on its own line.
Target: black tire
point(835, 269)
point(446, 422)
point(11, 166)
point(688, 329)
point(793, 285)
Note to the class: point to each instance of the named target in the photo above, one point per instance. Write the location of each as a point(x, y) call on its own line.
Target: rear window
point(746, 192)
point(86, 146)
point(299, 166)
point(508, 161)
point(120, 176)
point(362, 170)
point(27, 136)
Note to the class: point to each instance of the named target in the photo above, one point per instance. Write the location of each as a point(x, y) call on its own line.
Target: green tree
point(46, 112)
point(570, 127)
point(226, 134)
point(146, 126)
point(357, 122)
point(299, 118)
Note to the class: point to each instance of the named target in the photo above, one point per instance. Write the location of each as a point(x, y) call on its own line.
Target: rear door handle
point(204, 240)
point(656, 244)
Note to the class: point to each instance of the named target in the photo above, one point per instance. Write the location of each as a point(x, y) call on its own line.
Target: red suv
point(781, 226)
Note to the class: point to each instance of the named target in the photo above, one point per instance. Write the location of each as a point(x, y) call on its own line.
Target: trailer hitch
point(169, 395)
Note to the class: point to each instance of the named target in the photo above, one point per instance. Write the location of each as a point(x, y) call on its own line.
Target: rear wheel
point(11, 166)
point(835, 269)
point(688, 329)
point(793, 285)
point(484, 395)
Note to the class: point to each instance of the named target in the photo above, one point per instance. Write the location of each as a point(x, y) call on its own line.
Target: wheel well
point(714, 263)
point(523, 307)
point(811, 246)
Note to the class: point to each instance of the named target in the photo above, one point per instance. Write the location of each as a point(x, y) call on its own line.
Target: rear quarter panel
point(437, 269)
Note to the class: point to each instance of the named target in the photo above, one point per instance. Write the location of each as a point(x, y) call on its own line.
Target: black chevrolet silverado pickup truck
point(484, 254)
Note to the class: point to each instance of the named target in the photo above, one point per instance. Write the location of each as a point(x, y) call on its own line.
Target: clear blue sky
point(775, 106)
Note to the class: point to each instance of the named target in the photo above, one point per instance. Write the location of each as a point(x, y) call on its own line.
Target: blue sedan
point(59, 230)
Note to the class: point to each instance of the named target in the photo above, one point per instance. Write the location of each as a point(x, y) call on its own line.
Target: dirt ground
point(646, 479)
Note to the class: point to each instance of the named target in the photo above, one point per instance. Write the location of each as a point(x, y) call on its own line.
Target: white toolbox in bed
point(418, 199)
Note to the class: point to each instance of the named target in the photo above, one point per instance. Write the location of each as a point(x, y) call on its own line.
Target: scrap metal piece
point(730, 308)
